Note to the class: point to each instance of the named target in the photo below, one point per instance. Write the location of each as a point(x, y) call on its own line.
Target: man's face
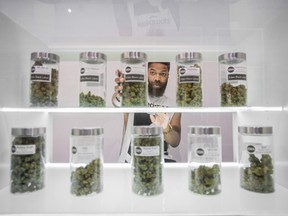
point(158, 75)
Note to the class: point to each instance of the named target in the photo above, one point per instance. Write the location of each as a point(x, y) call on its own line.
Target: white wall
point(16, 46)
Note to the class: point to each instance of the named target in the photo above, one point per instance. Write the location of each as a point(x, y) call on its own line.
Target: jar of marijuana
point(92, 79)
point(27, 159)
point(86, 161)
point(147, 160)
point(44, 78)
point(204, 159)
point(134, 93)
point(189, 85)
point(233, 76)
point(256, 158)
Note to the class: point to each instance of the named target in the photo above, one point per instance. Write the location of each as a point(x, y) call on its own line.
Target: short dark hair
point(167, 64)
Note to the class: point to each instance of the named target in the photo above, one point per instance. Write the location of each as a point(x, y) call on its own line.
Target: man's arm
point(172, 133)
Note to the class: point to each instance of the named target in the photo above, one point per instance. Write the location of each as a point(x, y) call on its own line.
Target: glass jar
point(92, 79)
point(147, 160)
point(189, 85)
point(256, 158)
point(27, 159)
point(204, 159)
point(44, 79)
point(134, 70)
point(86, 161)
point(233, 76)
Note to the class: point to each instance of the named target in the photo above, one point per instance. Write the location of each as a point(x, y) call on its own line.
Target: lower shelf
point(118, 198)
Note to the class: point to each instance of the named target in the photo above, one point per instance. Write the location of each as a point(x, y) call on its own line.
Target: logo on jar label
point(128, 69)
point(200, 152)
point(13, 149)
point(250, 148)
point(231, 69)
point(82, 71)
point(182, 71)
point(74, 150)
point(33, 69)
point(138, 150)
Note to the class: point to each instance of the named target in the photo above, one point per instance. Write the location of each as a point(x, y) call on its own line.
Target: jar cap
point(232, 58)
point(37, 131)
point(48, 58)
point(93, 57)
point(147, 130)
point(255, 130)
point(87, 131)
point(189, 57)
point(204, 130)
point(136, 57)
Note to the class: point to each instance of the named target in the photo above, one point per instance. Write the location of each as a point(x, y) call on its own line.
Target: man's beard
point(158, 92)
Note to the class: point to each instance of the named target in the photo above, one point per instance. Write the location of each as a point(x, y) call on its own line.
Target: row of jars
point(86, 160)
point(45, 75)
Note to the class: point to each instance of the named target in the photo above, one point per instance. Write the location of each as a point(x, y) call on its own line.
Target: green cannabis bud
point(27, 170)
point(91, 100)
point(233, 95)
point(189, 94)
point(87, 180)
point(205, 180)
point(147, 170)
point(134, 94)
point(44, 94)
point(258, 176)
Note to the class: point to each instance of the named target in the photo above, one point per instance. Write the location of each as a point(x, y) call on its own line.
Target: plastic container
point(86, 161)
point(27, 159)
point(204, 159)
point(233, 76)
point(189, 82)
point(134, 70)
point(147, 160)
point(256, 158)
point(92, 79)
point(44, 79)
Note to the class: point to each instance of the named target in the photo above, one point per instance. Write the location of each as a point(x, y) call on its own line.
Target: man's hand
point(160, 119)
point(116, 98)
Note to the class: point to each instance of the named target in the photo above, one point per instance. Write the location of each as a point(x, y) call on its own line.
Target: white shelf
point(145, 109)
point(118, 198)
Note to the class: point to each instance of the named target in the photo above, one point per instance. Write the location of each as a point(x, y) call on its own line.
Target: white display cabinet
point(162, 29)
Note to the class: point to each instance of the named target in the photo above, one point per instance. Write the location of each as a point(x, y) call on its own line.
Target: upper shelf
point(145, 109)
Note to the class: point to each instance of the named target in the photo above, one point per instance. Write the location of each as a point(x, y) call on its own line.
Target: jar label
point(40, 74)
point(23, 149)
point(92, 77)
point(257, 148)
point(234, 75)
point(146, 151)
point(205, 152)
point(83, 153)
point(190, 74)
point(134, 73)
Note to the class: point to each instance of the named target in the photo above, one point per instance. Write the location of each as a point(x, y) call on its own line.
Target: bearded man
point(158, 75)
